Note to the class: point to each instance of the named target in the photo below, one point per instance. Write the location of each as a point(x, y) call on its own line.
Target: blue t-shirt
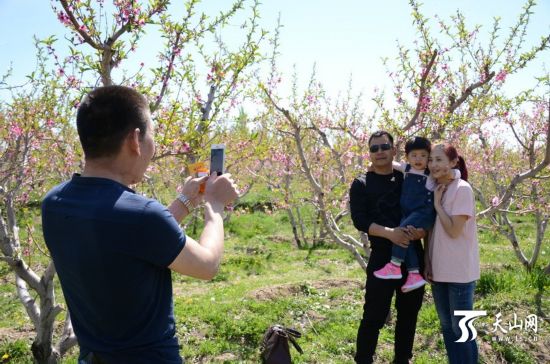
point(111, 248)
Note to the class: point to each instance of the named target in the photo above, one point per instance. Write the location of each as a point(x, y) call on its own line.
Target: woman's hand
point(428, 270)
point(438, 194)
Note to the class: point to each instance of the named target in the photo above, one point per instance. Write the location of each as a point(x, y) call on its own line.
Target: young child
point(417, 207)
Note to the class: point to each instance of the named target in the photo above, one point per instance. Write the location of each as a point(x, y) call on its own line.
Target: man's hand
point(399, 236)
point(191, 188)
point(416, 234)
point(220, 189)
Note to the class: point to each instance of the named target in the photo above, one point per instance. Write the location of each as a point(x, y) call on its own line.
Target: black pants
point(378, 296)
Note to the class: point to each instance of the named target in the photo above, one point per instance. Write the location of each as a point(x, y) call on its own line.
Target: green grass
point(15, 352)
point(265, 279)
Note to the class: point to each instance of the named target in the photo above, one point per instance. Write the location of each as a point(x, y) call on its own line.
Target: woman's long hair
point(452, 154)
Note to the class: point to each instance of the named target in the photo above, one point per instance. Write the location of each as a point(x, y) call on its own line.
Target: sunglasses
point(374, 148)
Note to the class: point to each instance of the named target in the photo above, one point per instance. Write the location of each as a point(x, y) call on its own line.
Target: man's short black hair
point(381, 133)
point(418, 143)
point(106, 116)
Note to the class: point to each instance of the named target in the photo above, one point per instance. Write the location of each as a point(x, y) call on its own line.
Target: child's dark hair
point(418, 143)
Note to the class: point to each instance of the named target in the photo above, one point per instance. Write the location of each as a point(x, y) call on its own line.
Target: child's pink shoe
point(390, 271)
point(414, 281)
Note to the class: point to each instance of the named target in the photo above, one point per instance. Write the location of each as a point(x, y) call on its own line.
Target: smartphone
point(217, 159)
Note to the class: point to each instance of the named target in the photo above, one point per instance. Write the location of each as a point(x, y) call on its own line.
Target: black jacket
point(374, 198)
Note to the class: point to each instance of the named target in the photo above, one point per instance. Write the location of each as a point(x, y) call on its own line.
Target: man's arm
point(398, 236)
point(178, 210)
point(359, 209)
point(190, 189)
point(359, 206)
point(202, 259)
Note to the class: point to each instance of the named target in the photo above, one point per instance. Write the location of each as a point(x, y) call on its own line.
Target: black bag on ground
point(275, 348)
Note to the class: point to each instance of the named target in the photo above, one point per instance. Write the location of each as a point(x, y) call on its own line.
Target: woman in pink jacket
point(452, 256)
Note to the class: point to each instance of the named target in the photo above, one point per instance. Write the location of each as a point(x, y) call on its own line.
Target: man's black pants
point(378, 296)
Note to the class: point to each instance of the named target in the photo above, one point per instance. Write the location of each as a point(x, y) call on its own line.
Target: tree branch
point(68, 338)
point(166, 76)
point(208, 105)
point(334, 153)
point(8, 246)
point(518, 138)
point(328, 222)
point(512, 236)
point(469, 91)
point(422, 92)
point(297, 138)
point(531, 173)
point(76, 26)
point(28, 302)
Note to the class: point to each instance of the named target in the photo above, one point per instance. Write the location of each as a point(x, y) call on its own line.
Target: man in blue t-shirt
point(113, 249)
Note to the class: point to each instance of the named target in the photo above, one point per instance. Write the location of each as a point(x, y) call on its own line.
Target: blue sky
point(342, 37)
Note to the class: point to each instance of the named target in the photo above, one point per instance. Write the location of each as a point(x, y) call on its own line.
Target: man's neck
point(99, 170)
point(383, 170)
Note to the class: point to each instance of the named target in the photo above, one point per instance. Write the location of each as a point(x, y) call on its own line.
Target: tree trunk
point(294, 228)
point(43, 314)
point(301, 226)
point(43, 353)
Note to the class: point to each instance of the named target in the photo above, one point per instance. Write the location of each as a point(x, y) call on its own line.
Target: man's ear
point(133, 141)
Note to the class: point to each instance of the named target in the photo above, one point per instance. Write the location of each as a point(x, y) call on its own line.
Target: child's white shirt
point(430, 181)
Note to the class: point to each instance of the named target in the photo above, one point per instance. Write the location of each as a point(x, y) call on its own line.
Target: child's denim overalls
point(417, 208)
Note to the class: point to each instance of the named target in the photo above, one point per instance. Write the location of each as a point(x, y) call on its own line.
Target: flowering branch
point(466, 93)
point(77, 27)
point(422, 92)
point(328, 222)
point(531, 173)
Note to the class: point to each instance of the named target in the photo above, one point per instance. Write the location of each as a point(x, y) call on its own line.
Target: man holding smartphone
point(113, 249)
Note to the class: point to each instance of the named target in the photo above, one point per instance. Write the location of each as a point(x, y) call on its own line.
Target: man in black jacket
point(375, 210)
